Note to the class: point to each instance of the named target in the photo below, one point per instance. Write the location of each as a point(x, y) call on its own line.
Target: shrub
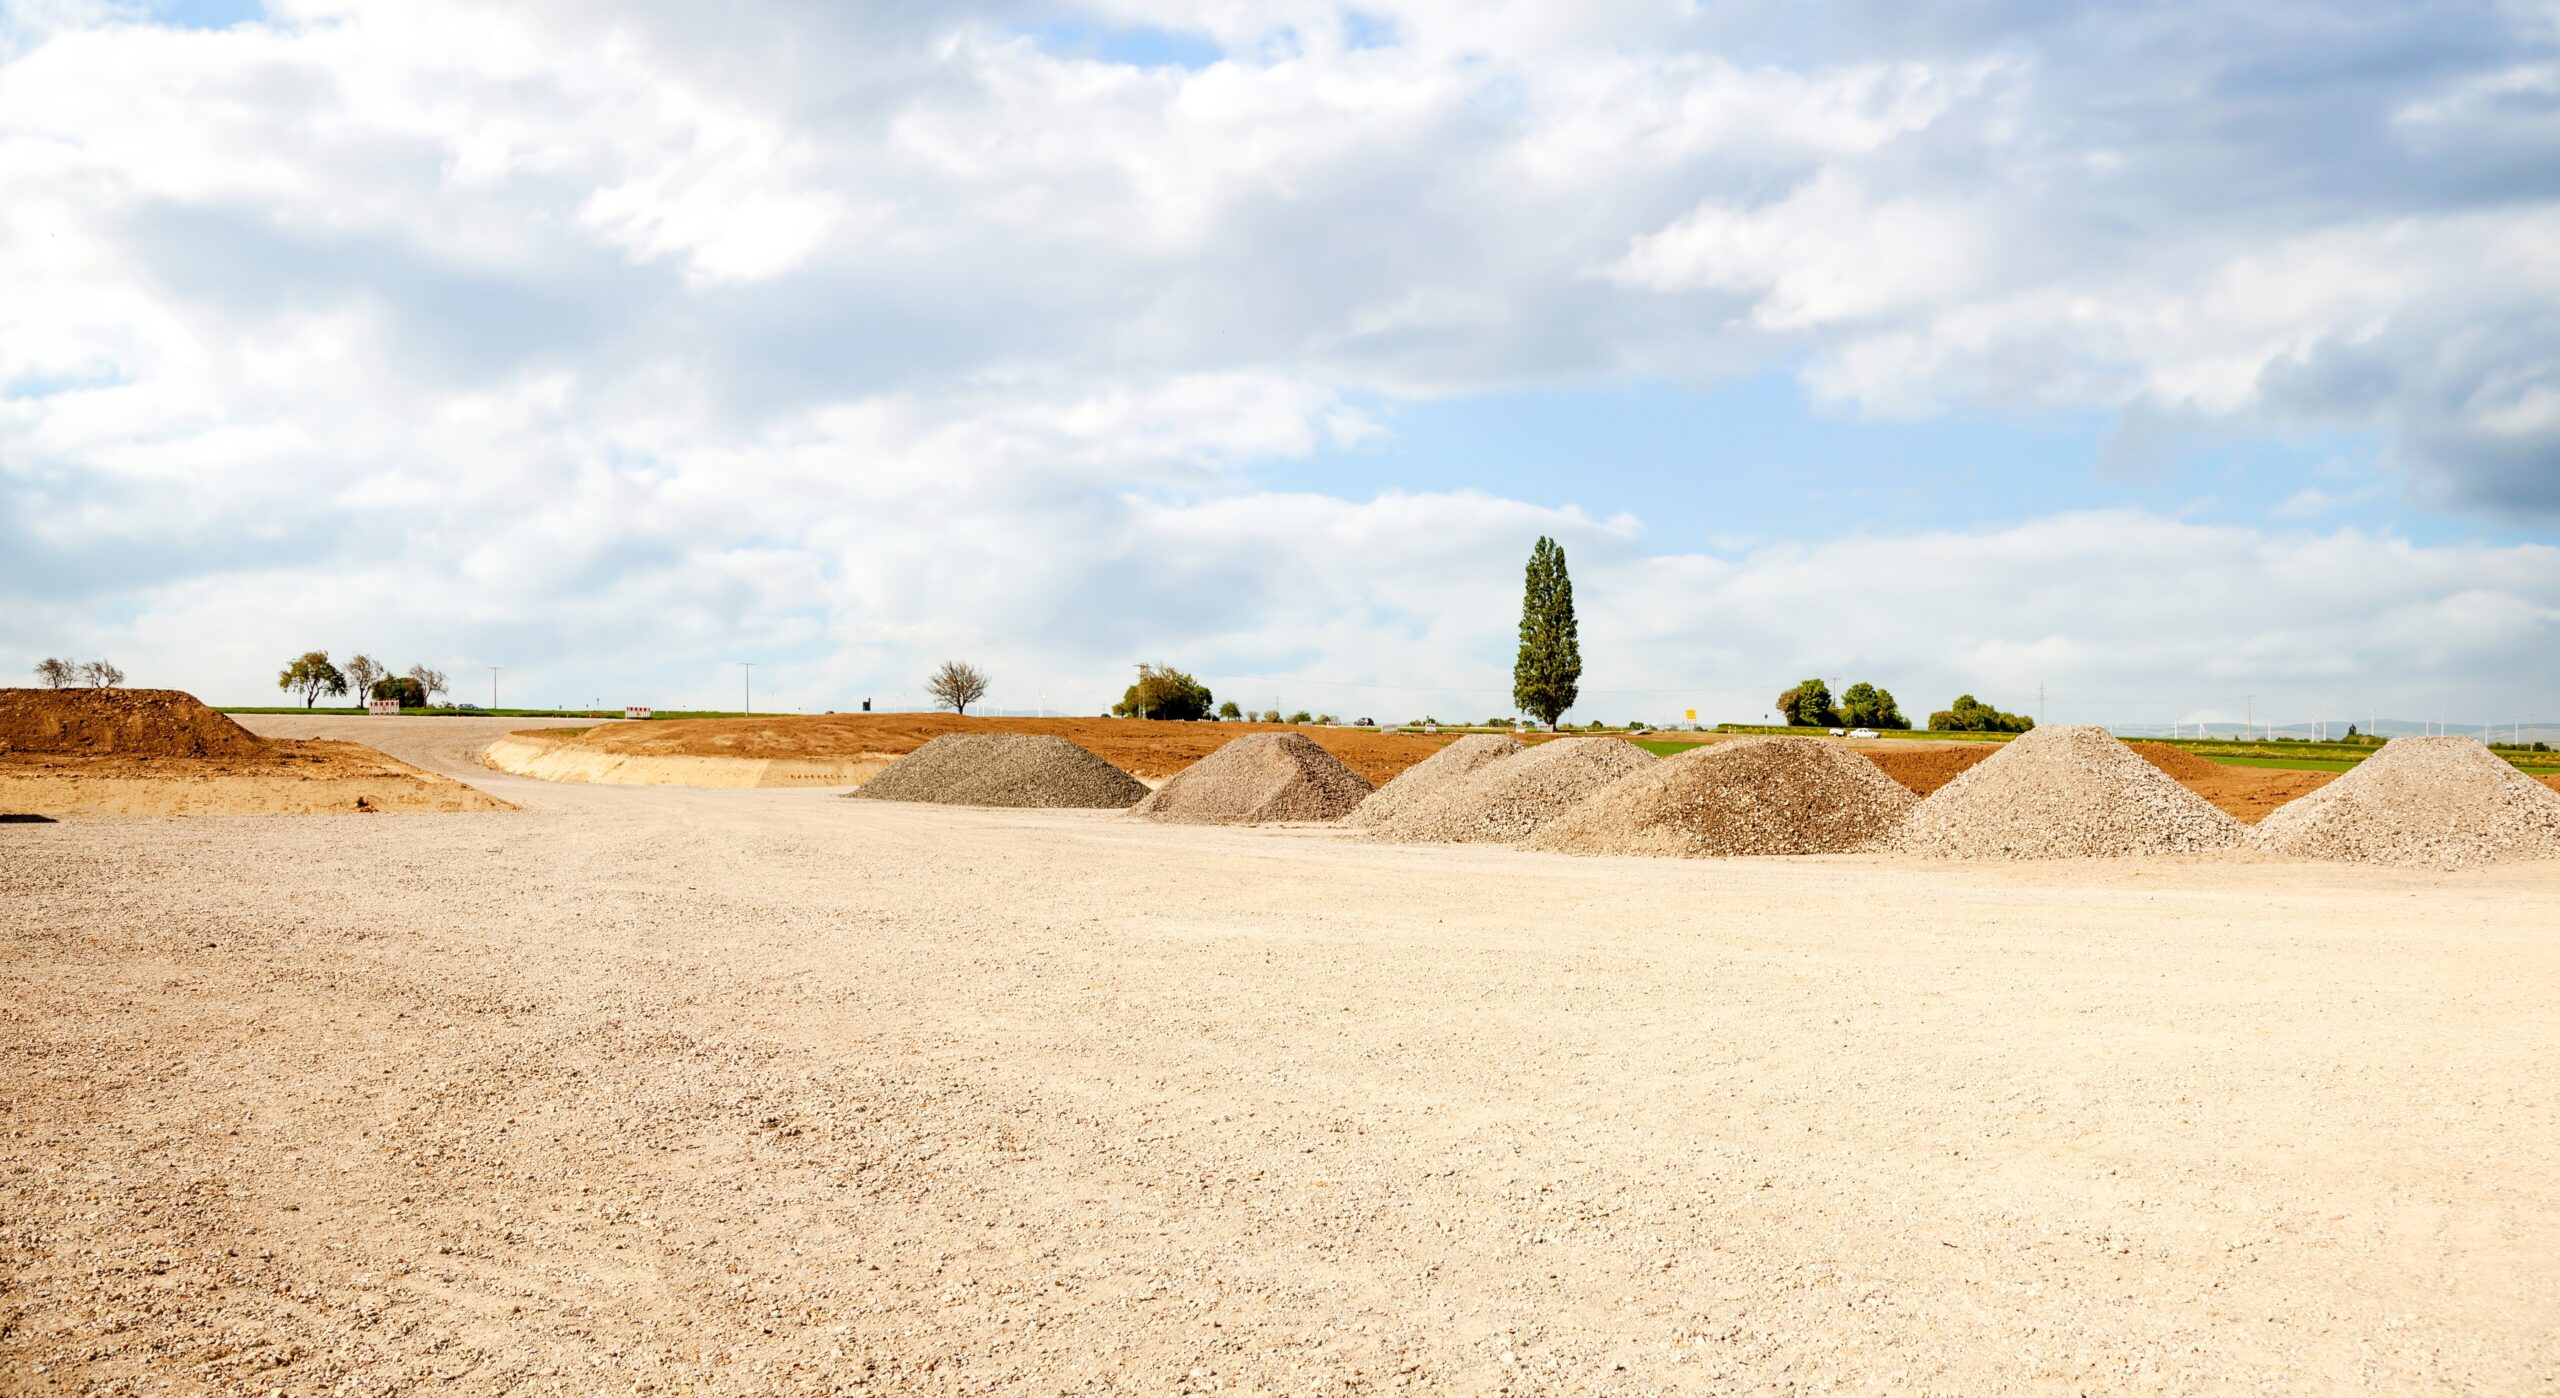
point(1971, 715)
point(410, 693)
point(1164, 692)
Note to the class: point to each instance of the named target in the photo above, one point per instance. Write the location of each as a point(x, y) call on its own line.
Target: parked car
point(1864, 733)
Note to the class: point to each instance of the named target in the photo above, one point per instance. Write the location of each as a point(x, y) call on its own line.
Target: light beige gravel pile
point(1259, 779)
point(1426, 779)
point(1750, 796)
point(1509, 800)
point(2072, 792)
point(1005, 769)
point(2429, 803)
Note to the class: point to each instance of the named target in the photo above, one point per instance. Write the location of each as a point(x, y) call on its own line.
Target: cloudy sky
point(2161, 355)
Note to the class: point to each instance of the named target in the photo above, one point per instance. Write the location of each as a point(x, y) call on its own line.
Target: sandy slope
point(768, 1092)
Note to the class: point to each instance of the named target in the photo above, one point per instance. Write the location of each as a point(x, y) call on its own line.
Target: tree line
point(312, 674)
point(67, 674)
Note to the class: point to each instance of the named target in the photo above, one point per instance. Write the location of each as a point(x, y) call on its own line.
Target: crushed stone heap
point(119, 723)
point(1428, 778)
point(1259, 779)
point(1509, 800)
point(1751, 796)
point(2429, 803)
point(2069, 792)
point(1005, 769)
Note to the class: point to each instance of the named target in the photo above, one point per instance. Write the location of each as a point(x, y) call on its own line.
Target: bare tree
point(100, 674)
point(432, 681)
point(362, 671)
point(56, 674)
point(957, 685)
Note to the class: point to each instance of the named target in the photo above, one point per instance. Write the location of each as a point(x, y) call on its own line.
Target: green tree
point(1302, 716)
point(311, 675)
point(410, 693)
point(1808, 705)
point(1229, 710)
point(1863, 705)
point(1164, 692)
point(1547, 676)
point(1970, 715)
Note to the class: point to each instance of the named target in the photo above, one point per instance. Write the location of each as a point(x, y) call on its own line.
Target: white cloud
point(622, 336)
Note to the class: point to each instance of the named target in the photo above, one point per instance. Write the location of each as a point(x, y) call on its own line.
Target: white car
point(1864, 733)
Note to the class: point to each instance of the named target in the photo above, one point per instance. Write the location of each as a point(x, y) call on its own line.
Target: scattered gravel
point(1005, 769)
point(1509, 800)
point(2065, 793)
point(1435, 774)
point(1258, 779)
point(1749, 796)
point(2431, 803)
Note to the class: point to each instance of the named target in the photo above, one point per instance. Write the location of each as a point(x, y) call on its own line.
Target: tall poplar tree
point(1547, 677)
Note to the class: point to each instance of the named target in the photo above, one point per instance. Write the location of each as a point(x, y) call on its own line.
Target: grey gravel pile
point(2064, 793)
point(1509, 800)
point(1749, 796)
point(1005, 769)
point(1256, 780)
point(1428, 778)
point(2429, 803)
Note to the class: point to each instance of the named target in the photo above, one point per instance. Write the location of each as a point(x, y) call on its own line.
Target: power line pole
point(2251, 722)
point(493, 686)
point(750, 667)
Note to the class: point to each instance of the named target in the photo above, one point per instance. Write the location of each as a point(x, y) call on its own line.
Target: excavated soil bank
point(850, 749)
point(160, 752)
point(1258, 779)
point(1425, 780)
point(2062, 793)
point(2432, 803)
point(1757, 796)
point(1923, 769)
point(119, 723)
point(1511, 799)
point(1023, 770)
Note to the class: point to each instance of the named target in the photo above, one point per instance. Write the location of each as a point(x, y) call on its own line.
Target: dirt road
point(669, 1090)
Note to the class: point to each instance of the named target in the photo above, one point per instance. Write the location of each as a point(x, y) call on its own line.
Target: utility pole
point(493, 687)
point(2251, 720)
point(750, 667)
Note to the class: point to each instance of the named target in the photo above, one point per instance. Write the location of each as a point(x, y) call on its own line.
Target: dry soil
point(742, 1092)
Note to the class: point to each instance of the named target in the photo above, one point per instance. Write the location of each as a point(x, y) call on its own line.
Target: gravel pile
point(1749, 796)
point(2429, 803)
point(1257, 779)
point(1005, 769)
point(1428, 778)
point(1511, 799)
point(2065, 793)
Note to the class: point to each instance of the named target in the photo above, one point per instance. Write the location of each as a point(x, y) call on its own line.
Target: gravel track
point(1752, 796)
point(1259, 779)
point(2436, 803)
point(1427, 779)
point(1005, 769)
point(1509, 800)
point(2068, 792)
point(764, 1092)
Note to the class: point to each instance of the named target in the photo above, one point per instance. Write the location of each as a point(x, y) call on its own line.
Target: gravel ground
point(2065, 792)
point(2439, 803)
point(1259, 779)
point(764, 1092)
point(1751, 796)
point(1005, 769)
point(1425, 780)
point(1509, 800)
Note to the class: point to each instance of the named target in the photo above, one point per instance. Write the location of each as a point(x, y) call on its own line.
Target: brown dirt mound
point(1258, 779)
point(1428, 778)
point(1756, 796)
point(2434, 803)
point(1005, 769)
point(2178, 762)
point(1151, 749)
point(2064, 793)
point(1923, 769)
point(118, 723)
point(307, 777)
point(1511, 799)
